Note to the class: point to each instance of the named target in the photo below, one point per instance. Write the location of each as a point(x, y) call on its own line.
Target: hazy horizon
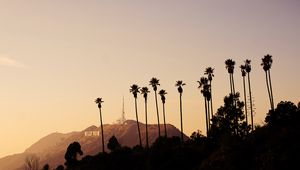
point(57, 57)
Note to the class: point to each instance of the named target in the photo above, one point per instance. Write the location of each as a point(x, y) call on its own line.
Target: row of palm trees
point(205, 86)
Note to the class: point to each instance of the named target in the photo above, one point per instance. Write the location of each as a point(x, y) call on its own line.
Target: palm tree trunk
point(230, 84)
point(181, 117)
point(137, 122)
point(101, 130)
point(251, 109)
point(146, 116)
point(211, 101)
point(267, 81)
point(269, 72)
point(206, 116)
point(245, 99)
point(164, 120)
point(233, 89)
point(157, 114)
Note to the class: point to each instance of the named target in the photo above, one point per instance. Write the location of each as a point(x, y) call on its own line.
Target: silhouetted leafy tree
point(71, 155)
point(135, 89)
point(267, 63)
point(154, 82)
point(59, 167)
point(113, 144)
point(225, 122)
point(285, 113)
point(144, 92)
point(46, 167)
point(179, 85)
point(162, 94)
point(99, 102)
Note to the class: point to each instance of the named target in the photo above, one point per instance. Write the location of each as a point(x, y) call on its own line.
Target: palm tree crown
point(209, 72)
point(144, 91)
point(267, 62)
point(230, 65)
point(248, 66)
point(179, 84)
point(243, 70)
point(154, 82)
point(99, 101)
point(134, 89)
point(162, 94)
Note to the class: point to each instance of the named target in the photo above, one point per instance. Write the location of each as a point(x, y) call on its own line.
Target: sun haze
point(57, 57)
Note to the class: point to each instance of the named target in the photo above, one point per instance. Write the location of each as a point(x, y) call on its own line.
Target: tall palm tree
point(243, 70)
point(179, 84)
point(154, 82)
point(135, 89)
point(144, 92)
point(267, 63)
point(203, 83)
point(230, 68)
point(248, 70)
point(99, 101)
point(162, 94)
point(210, 74)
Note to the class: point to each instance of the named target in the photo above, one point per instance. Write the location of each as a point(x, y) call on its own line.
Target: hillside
point(51, 148)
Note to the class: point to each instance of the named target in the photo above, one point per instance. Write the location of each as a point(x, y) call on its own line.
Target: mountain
point(51, 148)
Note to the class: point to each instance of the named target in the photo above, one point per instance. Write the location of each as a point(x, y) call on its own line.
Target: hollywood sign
point(91, 133)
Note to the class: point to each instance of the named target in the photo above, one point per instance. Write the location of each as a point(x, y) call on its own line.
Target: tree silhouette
point(113, 144)
point(248, 70)
point(224, 121)
point(210, 74)
point(99, 101)
point(230, 68)
point(154, 82)
point(179, 85)
point(71, 155)
point(144, 92)
point(267, 63)
point(46, 167)
point(203, 83)
point(285, 113)
point(134, 89)
point(162, 94)
point(243, 70)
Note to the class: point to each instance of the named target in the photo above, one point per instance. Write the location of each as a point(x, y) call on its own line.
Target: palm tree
point(99, 101)
point(210, 74)
point(243, 70)
point(154, 82)
point(267, 63)
point(144, 92)
point(162, 94)
point(230, 68)
point(203, 83)
point(248, 70)
point(179, 84)
point(134, 89)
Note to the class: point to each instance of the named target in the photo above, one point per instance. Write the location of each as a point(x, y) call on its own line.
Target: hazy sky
point(57, 56)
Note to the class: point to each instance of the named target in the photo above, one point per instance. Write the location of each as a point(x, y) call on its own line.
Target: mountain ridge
point(51, 148)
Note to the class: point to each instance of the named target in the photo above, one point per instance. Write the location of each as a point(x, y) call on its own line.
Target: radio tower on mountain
point(122, 119)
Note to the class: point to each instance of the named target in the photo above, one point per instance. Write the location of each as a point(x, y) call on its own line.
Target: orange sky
point(56, 57)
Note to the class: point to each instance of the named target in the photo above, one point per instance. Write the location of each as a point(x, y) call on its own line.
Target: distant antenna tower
point(123, 112)
point(122, 119)
point(253, 105)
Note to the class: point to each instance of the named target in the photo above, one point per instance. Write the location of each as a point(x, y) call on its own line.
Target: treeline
point(230, 144)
